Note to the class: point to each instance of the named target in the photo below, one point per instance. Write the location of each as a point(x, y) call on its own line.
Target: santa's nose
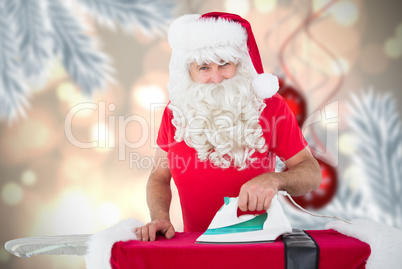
point(216, 76)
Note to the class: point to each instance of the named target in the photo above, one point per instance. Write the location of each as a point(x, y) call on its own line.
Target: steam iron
point(227, 227)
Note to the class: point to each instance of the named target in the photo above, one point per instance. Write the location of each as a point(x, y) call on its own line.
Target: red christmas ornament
point(321, 197)
point(295, 101)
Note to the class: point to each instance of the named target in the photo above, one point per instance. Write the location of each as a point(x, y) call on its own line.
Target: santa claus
point(223, 128)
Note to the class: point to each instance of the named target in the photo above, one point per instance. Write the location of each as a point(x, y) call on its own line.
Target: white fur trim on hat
point(385, 241)
point(100, 244)
point(189, 33)
point(265, 85)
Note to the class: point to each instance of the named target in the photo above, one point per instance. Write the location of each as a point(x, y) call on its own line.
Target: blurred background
point(83, 87)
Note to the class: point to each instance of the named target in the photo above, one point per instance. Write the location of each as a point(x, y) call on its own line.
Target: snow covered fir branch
point(35, 32)
point(376, 126)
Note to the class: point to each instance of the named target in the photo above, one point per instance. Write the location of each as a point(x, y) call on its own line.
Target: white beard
point(220, 121)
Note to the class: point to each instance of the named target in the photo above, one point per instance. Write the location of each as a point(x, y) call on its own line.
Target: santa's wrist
point(277, 181)
point(163, 216)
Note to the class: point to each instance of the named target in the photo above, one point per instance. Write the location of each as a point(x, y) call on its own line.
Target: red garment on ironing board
point(202, 186)
point(181, 252)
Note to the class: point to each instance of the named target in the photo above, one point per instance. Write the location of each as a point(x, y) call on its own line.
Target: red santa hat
point(212, 37)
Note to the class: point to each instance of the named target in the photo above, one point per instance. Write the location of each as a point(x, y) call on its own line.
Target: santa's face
point(219, 119)
point(212, 72)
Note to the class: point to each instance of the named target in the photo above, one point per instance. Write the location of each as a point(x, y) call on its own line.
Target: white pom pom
point(265, 85)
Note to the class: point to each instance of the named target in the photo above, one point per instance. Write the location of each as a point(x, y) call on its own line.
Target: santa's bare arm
point(159, 197)
point(303, 175)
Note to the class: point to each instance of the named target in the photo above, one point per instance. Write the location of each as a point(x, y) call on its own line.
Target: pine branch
point(148, 15)
point(34, 38)
point(13, 91)
point(377, 123)
point(85, 64)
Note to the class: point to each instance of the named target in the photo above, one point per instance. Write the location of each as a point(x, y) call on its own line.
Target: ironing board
point(74, 244)
point(335, 251)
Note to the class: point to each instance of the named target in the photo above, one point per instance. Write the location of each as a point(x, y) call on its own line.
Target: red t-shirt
point(202, 186)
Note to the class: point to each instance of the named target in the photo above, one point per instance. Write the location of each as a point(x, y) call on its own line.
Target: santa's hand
point(148, 231)
point(257, 193)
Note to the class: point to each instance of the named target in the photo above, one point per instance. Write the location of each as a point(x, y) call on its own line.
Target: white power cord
point(284, 193)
